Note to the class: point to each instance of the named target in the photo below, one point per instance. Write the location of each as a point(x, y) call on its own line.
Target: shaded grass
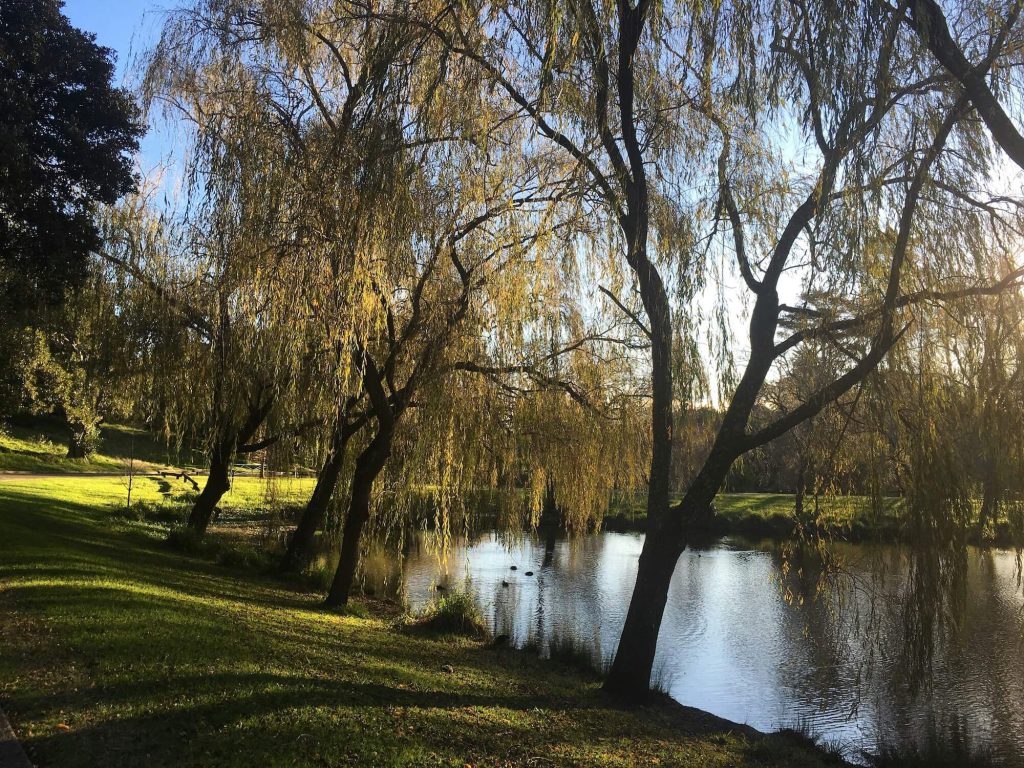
point(40, 445)
point(121, 651)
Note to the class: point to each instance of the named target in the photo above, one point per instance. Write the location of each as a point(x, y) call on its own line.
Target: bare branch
point(629, 313)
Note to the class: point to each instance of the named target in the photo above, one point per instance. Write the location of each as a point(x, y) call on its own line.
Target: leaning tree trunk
point(217, 484)
point(228, 444)
point(629, 678)
point(630, 674)
point(368, 466)
point(301, 544)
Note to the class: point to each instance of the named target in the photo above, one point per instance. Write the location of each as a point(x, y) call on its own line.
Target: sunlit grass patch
point(40, 445)
point(122, 651)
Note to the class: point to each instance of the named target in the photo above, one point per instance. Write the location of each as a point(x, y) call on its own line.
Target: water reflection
point(732, 645)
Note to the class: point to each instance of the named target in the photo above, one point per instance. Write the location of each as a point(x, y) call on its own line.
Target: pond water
point(732, 643)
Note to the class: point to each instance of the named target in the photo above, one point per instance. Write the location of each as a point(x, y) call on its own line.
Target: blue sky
point(129, 27)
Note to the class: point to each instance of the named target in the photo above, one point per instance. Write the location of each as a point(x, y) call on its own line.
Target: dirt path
point(11, 474)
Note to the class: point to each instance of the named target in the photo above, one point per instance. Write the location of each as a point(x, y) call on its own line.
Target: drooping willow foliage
point(355, 197)
point(567, 249)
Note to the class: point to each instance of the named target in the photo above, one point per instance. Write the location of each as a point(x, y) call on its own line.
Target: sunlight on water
point(732, 645)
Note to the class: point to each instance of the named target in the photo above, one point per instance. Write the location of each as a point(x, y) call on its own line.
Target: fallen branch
point(185, 477)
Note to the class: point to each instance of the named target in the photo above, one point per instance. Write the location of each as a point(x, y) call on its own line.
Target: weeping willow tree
point(983, 368)
point(473, 288)
point(396, 239)
point(335, 93)
point(224, 365)
point(528, 148)
point(214, 265)
point(842, 198)
point(953, 425)
point(983, 31)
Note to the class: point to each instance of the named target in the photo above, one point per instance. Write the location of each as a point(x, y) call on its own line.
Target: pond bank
point(852, 519)
point(121, 651)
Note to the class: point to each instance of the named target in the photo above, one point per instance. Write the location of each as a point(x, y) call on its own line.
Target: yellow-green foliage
point(43, 448)
point(454, 613)
point(453, 266)
point(118, 651)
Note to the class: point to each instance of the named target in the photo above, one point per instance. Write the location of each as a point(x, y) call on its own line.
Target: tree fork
point(223, 453)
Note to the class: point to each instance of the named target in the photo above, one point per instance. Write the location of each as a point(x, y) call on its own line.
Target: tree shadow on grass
point(59, 531)
point(288, 719)
point(182, 662)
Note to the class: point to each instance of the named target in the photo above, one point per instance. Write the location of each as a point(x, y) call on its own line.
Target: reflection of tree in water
point(995, 645)
point(567, 611)
point(825, 663)
point(837, 655)
point(506, 609)
point(926, 639)
point(550, 540)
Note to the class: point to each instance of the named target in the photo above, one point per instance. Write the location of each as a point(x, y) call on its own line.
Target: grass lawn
point(772, 514)
point(40, 446)
point(832, 511)
point(120, 651)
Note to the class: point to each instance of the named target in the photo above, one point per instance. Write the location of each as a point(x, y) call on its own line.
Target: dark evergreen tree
point(67, 136)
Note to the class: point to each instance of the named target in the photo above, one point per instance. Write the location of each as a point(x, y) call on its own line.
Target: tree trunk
point(301, 544)
point(358, 514)
point(82, 441)
point(217, 484)
point(368, 466)
point(76, 443)
point(550, 514)
point(223, 453)
point(629, 679)
point(990, 498)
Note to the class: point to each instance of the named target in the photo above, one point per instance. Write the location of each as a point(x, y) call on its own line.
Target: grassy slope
point(42, 448)
point(119, 651)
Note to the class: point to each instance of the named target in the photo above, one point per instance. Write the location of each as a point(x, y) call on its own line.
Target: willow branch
point(628, 312)
point(929, 22)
